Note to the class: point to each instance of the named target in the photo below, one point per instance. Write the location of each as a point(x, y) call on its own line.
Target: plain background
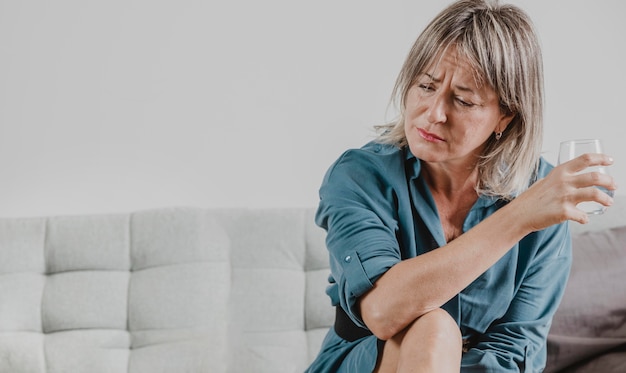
point(120, 105)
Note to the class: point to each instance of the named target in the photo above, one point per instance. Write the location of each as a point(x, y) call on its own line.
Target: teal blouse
point(371, 202)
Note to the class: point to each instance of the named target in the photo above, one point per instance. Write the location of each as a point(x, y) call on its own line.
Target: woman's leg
point(432, 343)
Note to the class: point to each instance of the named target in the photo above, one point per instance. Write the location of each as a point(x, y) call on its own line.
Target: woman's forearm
point(418, 285)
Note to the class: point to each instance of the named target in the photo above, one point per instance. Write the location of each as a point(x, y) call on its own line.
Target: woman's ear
point(505, 119)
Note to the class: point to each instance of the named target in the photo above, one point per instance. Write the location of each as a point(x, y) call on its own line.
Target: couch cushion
point(88, 350)
point(21, 245)
point(279, 274)
point(22, 283)
point(591, 319)
point(87, 243)
point(267, 304)
point(609, 362)
point(178, 293)
point(79, 300)
point(22, 352)
point(319, 314)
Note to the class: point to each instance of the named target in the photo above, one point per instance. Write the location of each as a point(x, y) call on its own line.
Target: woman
point(448, 236)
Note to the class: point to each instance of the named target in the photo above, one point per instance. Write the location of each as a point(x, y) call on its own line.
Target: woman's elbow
point(383, 332)
point(379, 322)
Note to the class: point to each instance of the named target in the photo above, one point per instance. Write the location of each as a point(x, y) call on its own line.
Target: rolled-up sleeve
point(357, 209)
point(517, 341)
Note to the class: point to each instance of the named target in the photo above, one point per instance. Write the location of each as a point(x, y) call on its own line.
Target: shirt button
point(347, 259)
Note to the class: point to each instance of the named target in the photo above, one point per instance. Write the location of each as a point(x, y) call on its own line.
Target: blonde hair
point(499, 41)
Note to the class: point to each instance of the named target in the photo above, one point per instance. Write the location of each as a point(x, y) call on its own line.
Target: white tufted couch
point(171, 290)
point(219, 290)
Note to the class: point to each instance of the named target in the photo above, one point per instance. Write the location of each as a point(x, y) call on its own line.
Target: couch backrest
point(143, 292)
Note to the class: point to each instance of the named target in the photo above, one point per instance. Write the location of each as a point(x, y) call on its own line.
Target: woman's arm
point(421, 284)
point(415, 286)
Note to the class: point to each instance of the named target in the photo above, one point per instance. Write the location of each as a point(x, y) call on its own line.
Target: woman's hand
point(553, 199)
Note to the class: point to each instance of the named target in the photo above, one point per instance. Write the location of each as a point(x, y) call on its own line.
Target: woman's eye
point(426, 87)
point(464, 103)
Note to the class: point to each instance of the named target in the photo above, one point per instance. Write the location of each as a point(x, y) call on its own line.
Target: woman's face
point(449, 116)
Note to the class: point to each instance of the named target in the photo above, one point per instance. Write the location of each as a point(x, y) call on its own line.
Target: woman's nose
point(437, 109)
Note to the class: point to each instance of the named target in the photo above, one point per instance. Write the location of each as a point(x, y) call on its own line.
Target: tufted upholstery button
point(347, 259)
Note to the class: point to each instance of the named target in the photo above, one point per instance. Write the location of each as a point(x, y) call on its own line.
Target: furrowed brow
point(432, 78)
point(464, 89)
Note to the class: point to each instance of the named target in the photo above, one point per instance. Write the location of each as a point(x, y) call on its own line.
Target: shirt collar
point(483, 201)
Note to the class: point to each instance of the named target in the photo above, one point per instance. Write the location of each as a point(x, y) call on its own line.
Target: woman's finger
point(587, 160)
point(594, 178)
point(594, 194)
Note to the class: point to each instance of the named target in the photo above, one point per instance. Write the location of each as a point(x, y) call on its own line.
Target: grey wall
point(111, 106)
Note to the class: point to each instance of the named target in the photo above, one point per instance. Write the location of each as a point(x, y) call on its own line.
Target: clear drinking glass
point(574, 148)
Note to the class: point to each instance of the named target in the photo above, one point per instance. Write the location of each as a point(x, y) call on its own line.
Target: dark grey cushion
point(591, 320)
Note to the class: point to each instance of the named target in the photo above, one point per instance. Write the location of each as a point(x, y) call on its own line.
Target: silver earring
point(498, 135)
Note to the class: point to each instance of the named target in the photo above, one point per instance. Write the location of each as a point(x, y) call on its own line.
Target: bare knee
point(437, 325)
point(433, 342)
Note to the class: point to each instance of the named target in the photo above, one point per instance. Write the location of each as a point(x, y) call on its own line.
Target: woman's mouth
point(429, 136)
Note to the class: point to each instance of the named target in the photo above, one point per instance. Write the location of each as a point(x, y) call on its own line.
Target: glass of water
point(574, 148)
